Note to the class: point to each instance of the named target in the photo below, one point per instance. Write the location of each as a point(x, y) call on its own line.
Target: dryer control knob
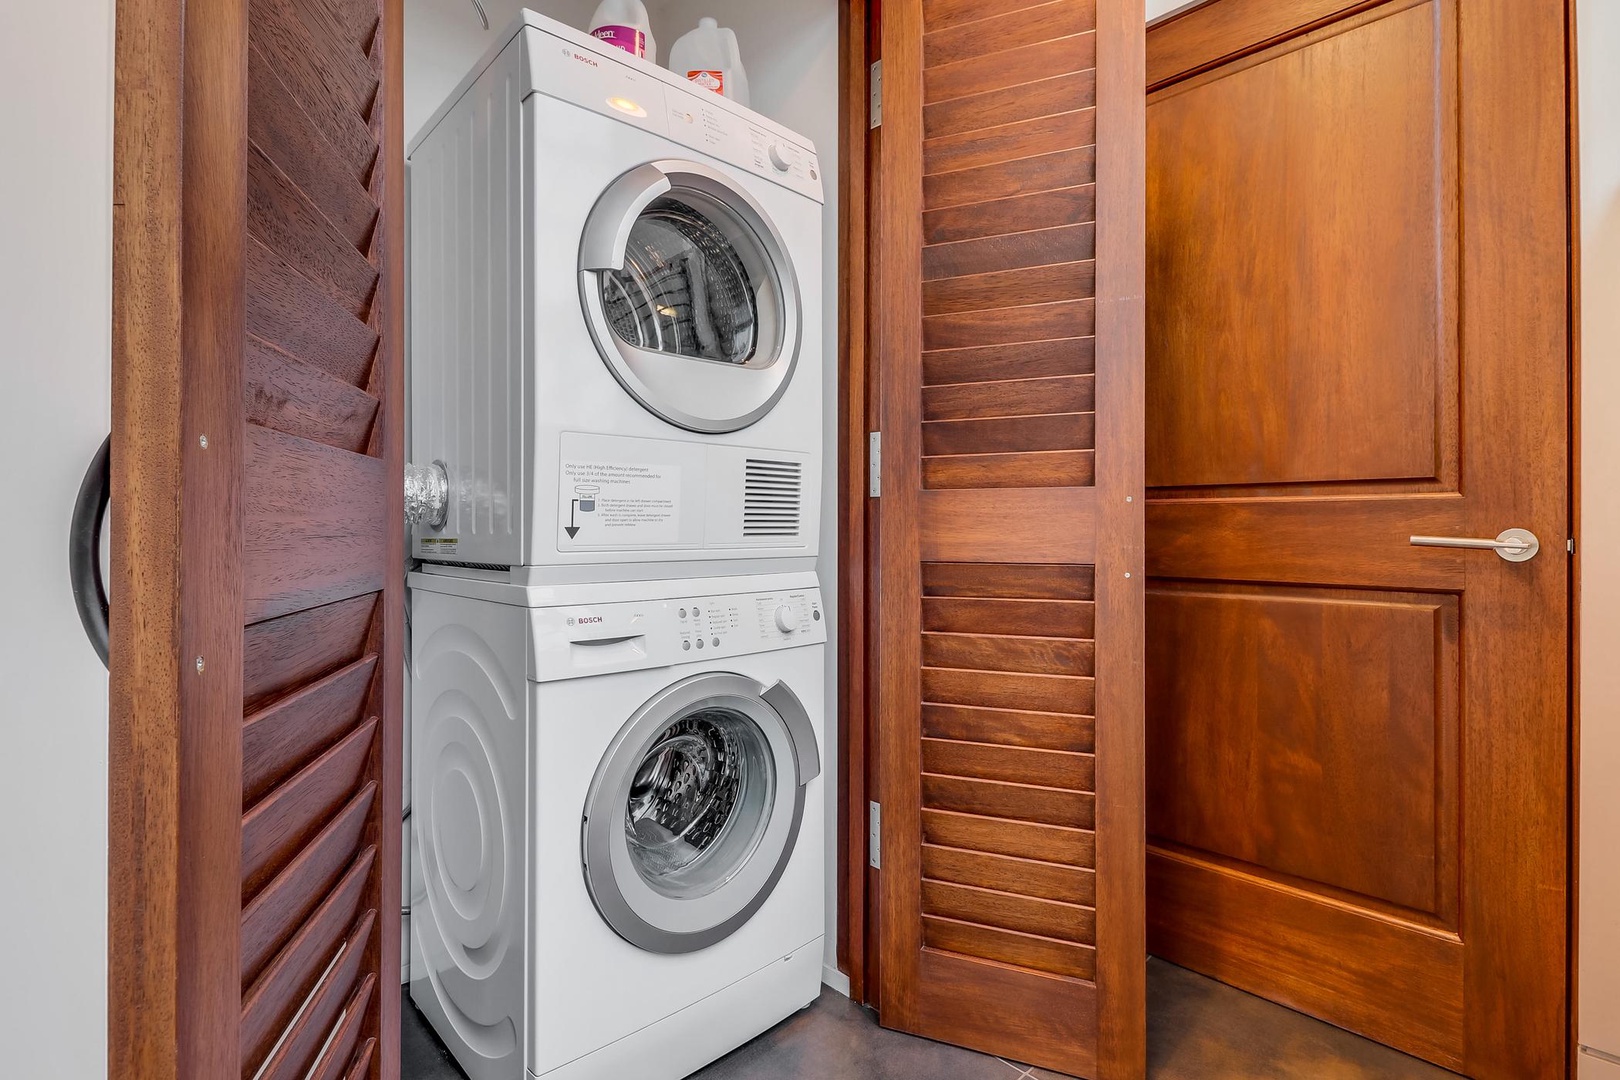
point(780, 157)
point(787, 620)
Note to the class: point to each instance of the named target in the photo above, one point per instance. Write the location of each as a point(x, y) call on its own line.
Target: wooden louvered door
point(1359, 748)
point(258, 541)
point(1007, 299)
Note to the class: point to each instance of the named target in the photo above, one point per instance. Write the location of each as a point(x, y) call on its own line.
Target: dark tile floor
point(1198, 1029)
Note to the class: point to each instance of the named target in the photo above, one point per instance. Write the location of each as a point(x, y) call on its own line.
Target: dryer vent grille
point(772, 491)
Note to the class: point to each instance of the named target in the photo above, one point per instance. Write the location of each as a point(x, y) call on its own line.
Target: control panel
point(594, 639)
point(565, 64)
point(710, 127)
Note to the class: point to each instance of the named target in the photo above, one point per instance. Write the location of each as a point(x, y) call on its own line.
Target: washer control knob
point(787, 620)
point(781, 158)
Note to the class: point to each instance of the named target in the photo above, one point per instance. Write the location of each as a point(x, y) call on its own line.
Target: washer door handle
point(806, 754)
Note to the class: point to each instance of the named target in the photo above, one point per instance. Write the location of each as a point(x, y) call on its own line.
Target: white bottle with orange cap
point(709, 57)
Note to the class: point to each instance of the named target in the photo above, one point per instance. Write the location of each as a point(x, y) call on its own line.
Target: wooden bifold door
point(1006, 219)
point(258, 541)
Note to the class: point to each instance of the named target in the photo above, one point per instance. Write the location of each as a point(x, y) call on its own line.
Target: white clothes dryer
point(615, 319)
point(616, 820)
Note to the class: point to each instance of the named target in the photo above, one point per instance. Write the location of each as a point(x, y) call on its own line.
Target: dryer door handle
point(607, 232)
point(806, 754)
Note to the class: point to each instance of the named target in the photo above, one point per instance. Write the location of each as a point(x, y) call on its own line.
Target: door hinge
point(874, 463)
point(1572, 545)
point(874, 836)
point(875, 113)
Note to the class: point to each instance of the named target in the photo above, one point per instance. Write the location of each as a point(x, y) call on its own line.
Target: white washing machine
point(615, 327)
point(617, 820)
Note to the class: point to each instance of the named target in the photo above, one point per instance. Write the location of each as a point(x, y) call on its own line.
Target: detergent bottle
point(624, 23)
point(709, 57)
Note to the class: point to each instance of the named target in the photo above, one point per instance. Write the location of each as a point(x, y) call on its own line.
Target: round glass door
point(686, 288)
point(690, 296)
point(693, 813)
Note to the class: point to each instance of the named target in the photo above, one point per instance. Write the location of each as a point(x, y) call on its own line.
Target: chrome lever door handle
point(1514, 545)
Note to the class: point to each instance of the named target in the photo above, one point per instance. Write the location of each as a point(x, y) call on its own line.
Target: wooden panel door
point(258, 541)
point(1357, 333)
point(1007, 225)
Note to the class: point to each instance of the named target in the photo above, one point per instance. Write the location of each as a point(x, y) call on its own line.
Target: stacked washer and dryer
point(618, 640)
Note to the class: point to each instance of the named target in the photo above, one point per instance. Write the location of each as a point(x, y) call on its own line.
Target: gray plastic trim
point(806, 754)
point(605, 855)
point(607, 230)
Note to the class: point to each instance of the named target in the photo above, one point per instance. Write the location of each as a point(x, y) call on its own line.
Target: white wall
point(443, 39)
point(55, 372)
point(790, 51)
point(1156, 8)
point(1598, 42)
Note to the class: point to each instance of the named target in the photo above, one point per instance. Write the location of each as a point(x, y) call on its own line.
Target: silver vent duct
point(427, 495)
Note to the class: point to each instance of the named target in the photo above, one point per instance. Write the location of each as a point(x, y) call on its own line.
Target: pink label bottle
point(624, 24)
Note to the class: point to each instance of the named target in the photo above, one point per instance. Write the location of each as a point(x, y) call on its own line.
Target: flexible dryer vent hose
point(427, 495)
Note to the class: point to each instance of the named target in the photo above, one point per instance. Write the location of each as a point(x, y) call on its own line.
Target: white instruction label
point(619, 504)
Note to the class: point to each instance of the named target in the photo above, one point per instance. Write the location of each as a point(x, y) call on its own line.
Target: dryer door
point(690, 296)
point(694, 811)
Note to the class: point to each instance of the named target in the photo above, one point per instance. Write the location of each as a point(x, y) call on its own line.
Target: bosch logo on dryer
point(585, 620)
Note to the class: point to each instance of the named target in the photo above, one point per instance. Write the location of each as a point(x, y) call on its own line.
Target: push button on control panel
point(707, 630)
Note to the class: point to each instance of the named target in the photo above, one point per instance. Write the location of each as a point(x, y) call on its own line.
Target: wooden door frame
point(172, 774)
point(857, 518)
point(1572, 167)
point(174, 992)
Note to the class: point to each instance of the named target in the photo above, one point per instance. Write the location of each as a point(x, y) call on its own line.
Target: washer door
point(690, 296)
point(694, 811)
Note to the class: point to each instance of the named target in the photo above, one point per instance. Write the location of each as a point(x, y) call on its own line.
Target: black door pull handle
point(84, 548)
